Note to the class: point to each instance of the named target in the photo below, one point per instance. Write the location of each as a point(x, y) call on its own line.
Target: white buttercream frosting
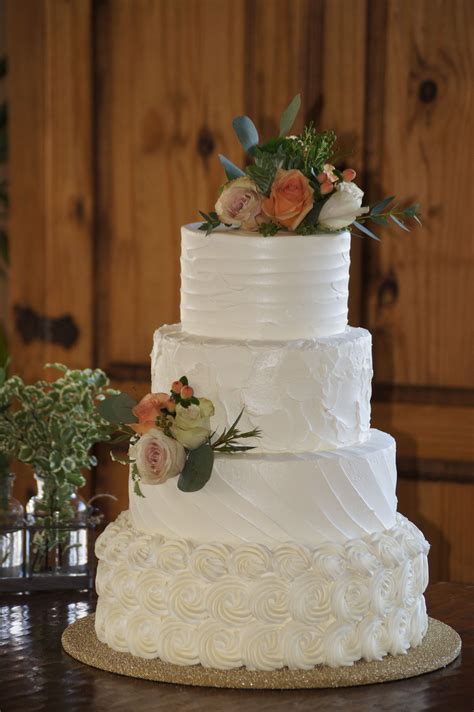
point(243, 286)
point(278, 498)
point(304, 395)
point(326, 608)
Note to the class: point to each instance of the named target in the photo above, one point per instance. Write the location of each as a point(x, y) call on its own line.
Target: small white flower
point(343, 207)
point(192, 425)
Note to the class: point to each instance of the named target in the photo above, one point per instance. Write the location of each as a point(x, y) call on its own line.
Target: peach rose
point(148, 410)
point(157, 457)
point(240, 204)
point(290, 200)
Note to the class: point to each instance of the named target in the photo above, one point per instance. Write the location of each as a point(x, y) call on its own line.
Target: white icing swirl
point(115, 627)
point(341, 644)
point(141, 552)
point(420, 571)
point(250, 561)
point(302, 646)
point(142, 635)
point(373, 638)
point(103, 580)
point(418, 622)
point(291, 560)
point(269, 600)
point(116, 549)
point(123, 583)
point(219, 647)
point(187, 597)
point(360, 557)
point(228, 601)
point(329, 560)
point(103, 540)
point(177, 643)
point(152, 592)
point(398, 628)
point(310, 599)
point(209, 561)
point(262, 647)
point(100, 619)
point(172, 555)
point(350, 598)
point(406, 585)
point(383, 591)
point(387, 549)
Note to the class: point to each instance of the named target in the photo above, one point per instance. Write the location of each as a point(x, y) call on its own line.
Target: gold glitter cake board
point(440, 646)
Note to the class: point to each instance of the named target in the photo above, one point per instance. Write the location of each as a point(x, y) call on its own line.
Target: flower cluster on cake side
point(292, 183)
point(169, 434)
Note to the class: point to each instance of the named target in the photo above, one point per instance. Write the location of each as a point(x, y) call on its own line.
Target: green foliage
point(264, 168)
point(381, 213)
point(231, 170)
point(211, 222)
point(246, 133)
point(269, 228)
point(226, 442)
point(197, 470)
point(289, 115)
point(118, 408)
point(52, 427)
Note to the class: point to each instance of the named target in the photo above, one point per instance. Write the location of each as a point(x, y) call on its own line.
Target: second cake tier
point(304, 395)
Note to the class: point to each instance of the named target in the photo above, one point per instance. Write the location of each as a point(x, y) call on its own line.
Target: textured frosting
point(239, 285)
point(188, 602)
point(305, 498)
point(304, 395)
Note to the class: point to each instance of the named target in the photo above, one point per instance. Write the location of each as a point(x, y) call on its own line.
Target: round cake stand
point(440, 646)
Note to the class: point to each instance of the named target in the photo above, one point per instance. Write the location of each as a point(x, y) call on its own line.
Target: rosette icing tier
point(243, 286)
point(238, 609)
point(304, 395)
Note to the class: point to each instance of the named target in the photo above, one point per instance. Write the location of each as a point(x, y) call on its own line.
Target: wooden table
point(37, 676)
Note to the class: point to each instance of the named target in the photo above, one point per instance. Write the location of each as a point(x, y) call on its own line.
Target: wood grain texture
point(49, 48)
point(170, 79)
point(443, 511)
point(50, 173)
point(420, 293)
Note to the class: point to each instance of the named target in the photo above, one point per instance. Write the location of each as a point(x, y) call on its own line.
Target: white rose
point(157, 457)
point(240, 204)
point(192, 425)
point(343, 207)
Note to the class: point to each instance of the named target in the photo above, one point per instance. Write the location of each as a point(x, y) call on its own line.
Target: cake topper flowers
point(170, 435)
point(292, 184)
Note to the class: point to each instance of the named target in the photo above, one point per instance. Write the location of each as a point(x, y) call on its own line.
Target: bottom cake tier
point(259, 606)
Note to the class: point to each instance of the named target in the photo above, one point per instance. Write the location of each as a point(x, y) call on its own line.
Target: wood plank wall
point(118, 111)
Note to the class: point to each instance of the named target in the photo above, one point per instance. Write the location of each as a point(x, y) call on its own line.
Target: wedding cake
point(291, 553)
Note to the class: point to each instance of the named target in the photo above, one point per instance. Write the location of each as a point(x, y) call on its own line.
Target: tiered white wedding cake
point(292, 554)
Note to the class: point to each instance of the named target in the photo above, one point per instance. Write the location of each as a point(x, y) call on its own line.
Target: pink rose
point(290, 200)
point(240, 204)
point(148, 410)
point(157, 457)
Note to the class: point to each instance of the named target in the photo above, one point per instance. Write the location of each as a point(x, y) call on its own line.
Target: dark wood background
point(118, 109)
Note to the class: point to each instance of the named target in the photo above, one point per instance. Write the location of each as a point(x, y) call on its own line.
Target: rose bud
point(326, 188)
point(349, 174)
point(177, 386)
point(321, 178)
point(186, 392)
point(170, 405)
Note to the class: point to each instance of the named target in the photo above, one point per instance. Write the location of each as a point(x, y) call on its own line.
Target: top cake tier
point(240, 286)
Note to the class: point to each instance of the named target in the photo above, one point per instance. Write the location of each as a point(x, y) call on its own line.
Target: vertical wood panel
point(50, 172)
point(421, 292)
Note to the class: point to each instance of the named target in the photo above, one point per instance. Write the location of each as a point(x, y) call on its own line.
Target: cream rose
point(291, 198)
point(157, 457)
point(191, 426)
point(343, 207)
point(240, 204)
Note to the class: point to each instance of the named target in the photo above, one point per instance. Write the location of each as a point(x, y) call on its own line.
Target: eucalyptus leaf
point(197, 470)
point(231, 170)
point(399, 223)
point(289, 115)
point(246, 132)
point(380, 207)
point(365, 230)
point(118, 409)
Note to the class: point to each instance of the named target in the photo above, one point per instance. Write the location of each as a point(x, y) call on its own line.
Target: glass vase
point(58, 532)
point(12, 523)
